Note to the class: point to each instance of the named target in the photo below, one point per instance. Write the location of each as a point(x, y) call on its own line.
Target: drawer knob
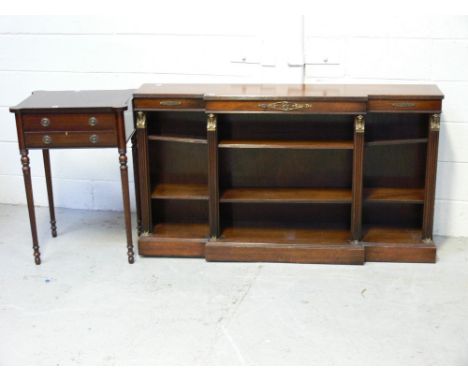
point(45, 122)
point(92, 121)
point(47, 139)
point(94, 138)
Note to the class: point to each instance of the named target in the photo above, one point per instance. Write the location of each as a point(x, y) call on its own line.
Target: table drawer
point(408, 106)
point(68, 122)
point(67, 139)
point(313, 107)
point(168, 104)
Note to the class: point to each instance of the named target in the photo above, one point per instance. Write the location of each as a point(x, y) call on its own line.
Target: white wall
point(53, 53)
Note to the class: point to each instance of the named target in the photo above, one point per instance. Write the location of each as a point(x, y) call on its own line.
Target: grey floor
point(86, 305)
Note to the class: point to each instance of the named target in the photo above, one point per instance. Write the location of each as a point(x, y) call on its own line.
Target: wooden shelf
point(175, 138)
point(283, 144)
point(389, 142)
point(285, 235)
point(181, 230)
point(375, 234)
point(286, 195)
point(394, 195)
point(180, 191)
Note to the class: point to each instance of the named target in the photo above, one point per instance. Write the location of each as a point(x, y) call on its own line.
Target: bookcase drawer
point(409, 106)
point(262, 106)
point(168, 104)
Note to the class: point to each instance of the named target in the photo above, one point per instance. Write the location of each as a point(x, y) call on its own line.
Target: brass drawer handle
point(45, 122)
point(170, 103)
point(94, 138)
point(284, 106)
point(92, 121)
point(403, 104)
point(47, 139)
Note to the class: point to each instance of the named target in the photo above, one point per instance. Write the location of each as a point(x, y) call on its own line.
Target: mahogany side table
point(74, 119)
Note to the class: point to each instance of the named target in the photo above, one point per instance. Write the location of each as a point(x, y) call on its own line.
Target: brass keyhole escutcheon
point(47, 139)
point(45, 122)
point(94, 139)
point(92, 121)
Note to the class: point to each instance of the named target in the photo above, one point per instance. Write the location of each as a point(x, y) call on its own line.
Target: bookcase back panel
point(393, 215)
point(286, 215)
point(285, 127)
point(396, 126)
point(395, 166)
point(285, 168)
point(177, 124)
point(176, 162)
point(180, 211)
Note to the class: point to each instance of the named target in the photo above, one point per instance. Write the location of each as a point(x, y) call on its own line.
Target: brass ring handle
point(47, 139)
point(92, 121)
point(45, 122)
point(94, 138)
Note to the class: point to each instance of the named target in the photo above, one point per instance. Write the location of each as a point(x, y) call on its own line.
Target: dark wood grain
point(391, 195)
point(407, 106)
point(430, 179)
point(30, 201)
point(71, 139)
point(316, 107)
point(136, 177)
point(175, 240)
point(144, 172)
point(290, 91)
point(283, 165)
point(67, 119)
point(66, 101)
point(277, 144)
point(213, 175)
point(180, 191)
point(388, 142)
point(286, 195)
point(50, 193)
point(169, 138)
point(358, 163)
point(285, 253)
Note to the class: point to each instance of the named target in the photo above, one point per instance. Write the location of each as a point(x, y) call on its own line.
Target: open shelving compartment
point(177, 151)
point(393, 197)
point(287, 173)
point(285, 188)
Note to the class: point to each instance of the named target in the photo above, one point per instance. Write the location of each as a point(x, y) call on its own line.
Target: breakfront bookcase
point(291, 173)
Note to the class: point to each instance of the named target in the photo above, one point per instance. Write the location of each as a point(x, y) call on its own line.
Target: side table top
point(103, 100)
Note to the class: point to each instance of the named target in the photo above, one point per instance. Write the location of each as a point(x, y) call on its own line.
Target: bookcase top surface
point(272, 91)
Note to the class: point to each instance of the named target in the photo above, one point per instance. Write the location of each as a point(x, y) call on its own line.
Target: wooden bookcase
point(295, 173)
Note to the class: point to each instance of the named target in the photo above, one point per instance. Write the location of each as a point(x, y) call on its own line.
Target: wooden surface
point(60, 101)
point(280, 91)
point(180, 191)
point(285, 144)
point(289, 174)
point(69, 119)
point(401, 195)
point(286, 195)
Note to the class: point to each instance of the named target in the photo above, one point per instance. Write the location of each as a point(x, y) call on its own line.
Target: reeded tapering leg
point(136, 177)
point(126, 203)
point(50, 194)
point(30, 201)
